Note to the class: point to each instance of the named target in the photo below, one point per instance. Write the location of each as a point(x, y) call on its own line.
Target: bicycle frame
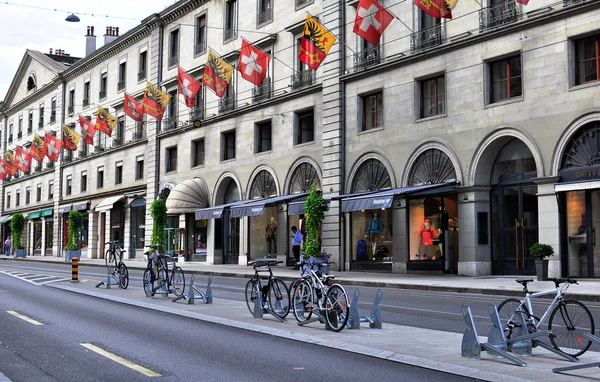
point(555, 301)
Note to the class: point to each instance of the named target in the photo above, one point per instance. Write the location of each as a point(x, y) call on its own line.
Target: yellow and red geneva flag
point(316, 43)
point(105, 122)
point(8, 167)
point(217, 74)
point(70, 138)
point(437, 8)
point(38, 148)
point(155, 101)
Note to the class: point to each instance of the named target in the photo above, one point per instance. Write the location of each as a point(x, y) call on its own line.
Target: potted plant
point(314, 212)
point(541, 252)
point(17, 225)
point(72, 248)
point(158, 211)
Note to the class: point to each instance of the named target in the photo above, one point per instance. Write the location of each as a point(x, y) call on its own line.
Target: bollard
point(74, 270)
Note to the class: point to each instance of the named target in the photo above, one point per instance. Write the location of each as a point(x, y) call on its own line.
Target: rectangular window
point(69, 185)
point(38, 193)
point(143, 64)
point(10, 133)
point(200, 35)
point(72, 98)
point(587, 56)
point(174, 48)
point(122, 76)
point(433, 97)
point(119, 173)
point(100, 177)
point(171, 159)
point(27, 195)
point(53, 111)
point(198, 153)
point(372, 111)
point(86, 94)
point(18, 198)
point(262, 137)
point(505, 79)
point(51, 190)
point(20, 132)
point(229, 30)
point(30, 123)
point(119, 133)
point(139, 168)
point(8, 200)
point(305, 127)
point(103, 85)
point(228, 145)
point(41, 121)
point(83, 181)
point(265, 14)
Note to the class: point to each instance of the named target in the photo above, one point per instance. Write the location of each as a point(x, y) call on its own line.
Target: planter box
point(541, 269)
point(69, 255)
point(19, 253)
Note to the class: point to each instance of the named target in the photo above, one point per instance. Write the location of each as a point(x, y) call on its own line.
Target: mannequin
point(374, 232)
point(271, 236)
point(427, 235)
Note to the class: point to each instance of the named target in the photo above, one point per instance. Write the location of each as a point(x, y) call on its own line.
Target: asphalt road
point(53, 335)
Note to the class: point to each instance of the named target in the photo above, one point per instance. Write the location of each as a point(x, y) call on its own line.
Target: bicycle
point(114, 254)
point(568, 319)
point(314, 293)
point(274, 295)
point(157, 272)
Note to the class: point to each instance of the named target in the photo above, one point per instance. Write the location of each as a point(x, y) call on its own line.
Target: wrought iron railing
point(173, 61)
point(120, 85)
point(86, 102)
point(569, 2)
point(301, 3)
point(302, 79)
point(53, 117)
point(19, 135)
point(139, 134)
point(68, 157)
point(229, 34)
point(50, 165)
point(117, 141)
point(368, 57)
point(98, 148)
point(498, 15)
point(102, 94)
point(427, 38)
point(40, 124)
point(264, 17)
point(70, 109)
point(196, 114)
point(263, 92)
point(226, 104)
point(142, 75)
point(169, 124)
point(200, 48)
point(82, 154)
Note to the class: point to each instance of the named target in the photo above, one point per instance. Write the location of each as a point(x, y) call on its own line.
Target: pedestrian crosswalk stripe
point(35, 279)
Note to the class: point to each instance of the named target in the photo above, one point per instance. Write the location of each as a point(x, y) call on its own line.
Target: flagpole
point(336, 36)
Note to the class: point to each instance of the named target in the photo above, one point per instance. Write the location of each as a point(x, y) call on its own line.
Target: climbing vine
point(315, 212)
point(158, 211)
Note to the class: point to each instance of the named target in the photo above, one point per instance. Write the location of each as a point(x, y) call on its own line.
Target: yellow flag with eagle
point(316, 43)
point(217, 74)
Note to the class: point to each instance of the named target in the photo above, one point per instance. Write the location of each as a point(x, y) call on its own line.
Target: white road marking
point(35, 279)
point(121, 360)
point(24, 318)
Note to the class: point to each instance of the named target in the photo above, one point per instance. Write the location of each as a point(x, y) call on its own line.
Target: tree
point(74, 222)
point(17, 225)
point(314, 212)
point(158, 211)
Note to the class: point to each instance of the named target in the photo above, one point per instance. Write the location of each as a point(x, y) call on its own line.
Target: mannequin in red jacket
point(427, 235)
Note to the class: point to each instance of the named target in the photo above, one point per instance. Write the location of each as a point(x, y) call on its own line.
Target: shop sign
point(81, 206)
point(258, 210)
point(116, 226)
point(217, 214)
point(47, 212)
point(587, 174)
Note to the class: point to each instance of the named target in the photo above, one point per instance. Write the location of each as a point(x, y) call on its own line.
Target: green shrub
point(158, 211)
point(314, 212)
point(74, 222)
point(541, 251)
point(17, 225)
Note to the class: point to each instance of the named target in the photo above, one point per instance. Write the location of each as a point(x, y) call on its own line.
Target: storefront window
point(577, 240)
point(138, 221)
point(83, 235)
point(117, 224)
point(37, 235)
point(200, 233)
point(372, 235)
point(49, 236)
point(264, 231)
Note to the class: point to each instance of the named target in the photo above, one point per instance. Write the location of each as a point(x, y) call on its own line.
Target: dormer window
point(31, 83)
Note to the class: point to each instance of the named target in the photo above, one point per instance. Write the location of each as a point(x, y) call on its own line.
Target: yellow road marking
point(121, 360)
point(24, 318)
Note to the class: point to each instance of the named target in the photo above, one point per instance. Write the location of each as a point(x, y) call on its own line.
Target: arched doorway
point(579, 193)
point(304, 176)
point(514, 208)
point(371, 176)
point(227, 229)
point(264, 229)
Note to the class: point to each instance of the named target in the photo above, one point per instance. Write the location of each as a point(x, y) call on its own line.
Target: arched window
point(515, 158)
point(304, 176)
point(371, 176)
point(432, 166)
point(583, 149)
point(31, 85)
point(263, 186)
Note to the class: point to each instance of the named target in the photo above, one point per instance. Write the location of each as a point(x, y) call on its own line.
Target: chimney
point(111, 35)
point(90, 41)
point(50, 50)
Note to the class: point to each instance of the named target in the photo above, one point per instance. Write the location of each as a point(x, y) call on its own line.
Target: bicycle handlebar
point(567, 280)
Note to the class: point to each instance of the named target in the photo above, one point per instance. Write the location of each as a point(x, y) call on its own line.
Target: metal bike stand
point(590, 337)
point(374, 319)
point(108, 281)
point(259, 309)
point(471, 347)
point(191, 296)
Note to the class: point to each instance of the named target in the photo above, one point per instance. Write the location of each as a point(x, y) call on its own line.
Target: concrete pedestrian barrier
point(195, 292)
point(374, 319)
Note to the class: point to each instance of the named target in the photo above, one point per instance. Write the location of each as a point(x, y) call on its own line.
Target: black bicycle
point(157, 275)
point(274, 294)
point(114, 259)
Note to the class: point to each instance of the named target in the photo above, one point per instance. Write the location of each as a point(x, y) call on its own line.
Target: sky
point(23, 27)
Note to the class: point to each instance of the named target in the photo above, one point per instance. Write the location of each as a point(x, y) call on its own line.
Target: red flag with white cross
point(88, 130)
point(53, 147)
point(3, 173)
point(133, 108)
point(254, 63)
point(188, 86)
point(22, 159)
point(371, 20)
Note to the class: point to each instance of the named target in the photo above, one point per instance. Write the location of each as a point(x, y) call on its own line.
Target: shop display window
point(37, 235)
point(372, 235)
point(264, 231)
point(200, 233)
point(576, 230)
point(49, 236)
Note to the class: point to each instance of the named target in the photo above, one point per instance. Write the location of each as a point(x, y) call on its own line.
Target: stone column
point(284, 240)
point(92, 235)
point(400, 238)
point(474, 259)
point(43, 248)
point(548, 221)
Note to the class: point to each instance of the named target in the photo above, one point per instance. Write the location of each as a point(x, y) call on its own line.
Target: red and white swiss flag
point(133, 108)
point(22, 159)
point(254, 63)
point(189, 87)
point(371, 20)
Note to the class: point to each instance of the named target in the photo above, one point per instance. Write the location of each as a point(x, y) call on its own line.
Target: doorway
point(582, 224)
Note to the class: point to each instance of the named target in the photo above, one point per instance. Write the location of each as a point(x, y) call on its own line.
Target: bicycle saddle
point(264, 262)
point(524, 281)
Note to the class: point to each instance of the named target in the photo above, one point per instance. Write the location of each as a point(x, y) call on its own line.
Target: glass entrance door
point(593, 232)
point(518, 229)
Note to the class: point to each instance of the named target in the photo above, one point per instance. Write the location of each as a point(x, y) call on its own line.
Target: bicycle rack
point(108, 281)
point(590, 337)
point(259, 309)
point(374, 319)
point(191, 296)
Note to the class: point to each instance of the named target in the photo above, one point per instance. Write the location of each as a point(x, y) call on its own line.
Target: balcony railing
point(263, 92)
point(498, 15)
point(38, 167)
point(50, 165)
point(426, 38)
point(196, 114)
point(137, 135)
point(40, 125)
point(70, 109)
point(82, 154)
point(120, 85)
point(53, 117)
point(173, 61)
point(226, 104)
point(169, 124)
point(302, 3)
point(19, 135)
point(200, 48)
point(302, 79)
point(102, 94)
point(68, 157)
point(141, 75)
point(10, 138)
point(263, 17)
point(86, 102)
point(368, 57)
point(117, 141)
point(229, 34)
point(98, 148)
point(570, 2)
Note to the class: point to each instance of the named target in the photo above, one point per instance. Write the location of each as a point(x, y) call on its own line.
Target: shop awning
point(188, 196)
point(64, 209)
point(297, 208)
point(48, 212)
point(576, 186)
point(217, 211)
point(257, 207)
point(5, 219)
point(108, 203)
point(34, 215)
point(381, 199)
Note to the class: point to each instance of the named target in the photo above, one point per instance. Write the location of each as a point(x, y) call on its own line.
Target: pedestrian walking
point(296, 241)
point(7, 245)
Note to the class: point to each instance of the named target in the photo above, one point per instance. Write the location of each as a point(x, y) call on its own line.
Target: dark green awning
point(34, 215)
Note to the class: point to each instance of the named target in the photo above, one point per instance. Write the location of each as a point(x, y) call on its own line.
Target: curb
point(339, 345)
point(372, 284)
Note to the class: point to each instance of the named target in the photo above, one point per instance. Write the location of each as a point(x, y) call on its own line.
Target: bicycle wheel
point(337, 308)
point(507, 309)
point(569, 320)
point(251, 295)
point(279, 301)
point(177, 284)
point(148, 283)
point(123, 276)
point(302, 301)
point(109, 258)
